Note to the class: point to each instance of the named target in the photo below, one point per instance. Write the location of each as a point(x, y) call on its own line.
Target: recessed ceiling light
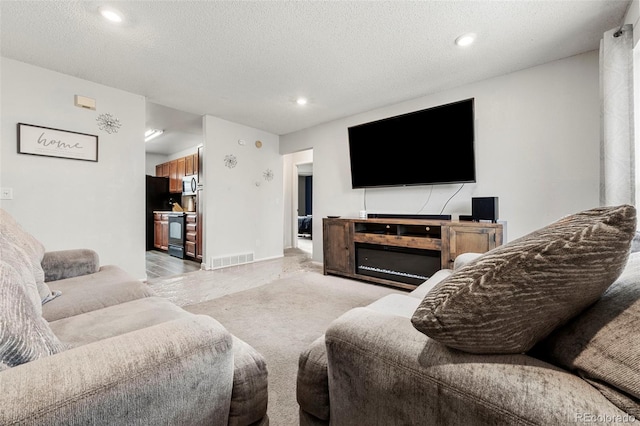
point(110, 14)
point(466, 39)
point(301, 101)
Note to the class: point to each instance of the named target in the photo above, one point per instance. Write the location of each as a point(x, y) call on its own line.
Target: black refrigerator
point(157, 198)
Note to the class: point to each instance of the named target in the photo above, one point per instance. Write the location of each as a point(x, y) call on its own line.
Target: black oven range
point(176, 234)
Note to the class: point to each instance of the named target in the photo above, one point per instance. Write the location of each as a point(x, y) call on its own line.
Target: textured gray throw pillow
point(16, 257)
point(13, 233)
point(516, 294)
point(24, 335)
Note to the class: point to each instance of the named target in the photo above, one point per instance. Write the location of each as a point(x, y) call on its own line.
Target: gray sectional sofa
point(82, 343)
point(540, 331)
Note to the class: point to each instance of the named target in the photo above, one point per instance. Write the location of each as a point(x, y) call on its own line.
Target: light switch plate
point(6, 193)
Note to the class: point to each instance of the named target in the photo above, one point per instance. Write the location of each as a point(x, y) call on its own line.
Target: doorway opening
point(171, 158)
point(303, 200)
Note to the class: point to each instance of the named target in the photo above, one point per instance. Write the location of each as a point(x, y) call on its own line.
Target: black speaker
point(465, 217)
point(484, 208)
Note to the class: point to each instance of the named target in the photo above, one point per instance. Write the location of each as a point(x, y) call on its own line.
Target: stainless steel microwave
point(189, 185)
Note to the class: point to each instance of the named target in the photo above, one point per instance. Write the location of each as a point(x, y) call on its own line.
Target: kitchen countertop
point(171, 211)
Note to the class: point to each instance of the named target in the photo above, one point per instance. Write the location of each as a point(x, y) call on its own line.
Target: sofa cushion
point(24, 335)
point(516, 294)
point(15, 234)
point(249, 395)
point(100, 324)
point(602, 343)
point(109, 286)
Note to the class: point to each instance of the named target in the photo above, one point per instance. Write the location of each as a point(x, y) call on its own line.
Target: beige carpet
point(281, 318)
point(200, 286)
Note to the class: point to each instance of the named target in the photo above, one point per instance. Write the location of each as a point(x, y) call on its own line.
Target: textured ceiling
point(248, 61)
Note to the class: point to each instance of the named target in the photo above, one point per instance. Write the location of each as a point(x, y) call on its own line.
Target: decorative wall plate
point(108, 123)
point(230, 161)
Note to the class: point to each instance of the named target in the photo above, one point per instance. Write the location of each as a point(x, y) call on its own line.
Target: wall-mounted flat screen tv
point(426, 147)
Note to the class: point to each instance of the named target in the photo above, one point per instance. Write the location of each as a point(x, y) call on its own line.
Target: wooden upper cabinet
point(176, 169)
point(162, 170)
point(188, 165)
point(173, 177)
point(176, 173)
point(196, 163)
point(181, 167)
point(181, 174)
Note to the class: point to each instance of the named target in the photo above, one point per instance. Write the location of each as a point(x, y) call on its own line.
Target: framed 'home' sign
point(38, 140)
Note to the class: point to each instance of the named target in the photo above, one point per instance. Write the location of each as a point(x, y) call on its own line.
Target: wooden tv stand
point(401, 252)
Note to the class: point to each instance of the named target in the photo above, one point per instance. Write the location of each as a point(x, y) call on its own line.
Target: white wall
point(243, 211)
point(152, 160)
point(537, 149)
point(66, 203)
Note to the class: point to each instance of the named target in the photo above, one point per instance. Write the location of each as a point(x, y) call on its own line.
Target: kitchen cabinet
point(196, 161)
point(190, 245)
point(180, 162)
point(176, 169)
point(161, 231)
point(162, 170)
point(188, 165)
point(173, 177)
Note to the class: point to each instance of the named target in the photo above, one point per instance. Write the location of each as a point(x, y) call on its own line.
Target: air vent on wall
point(236, 259)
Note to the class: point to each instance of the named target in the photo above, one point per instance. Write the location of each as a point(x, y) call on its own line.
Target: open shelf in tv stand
point(405, 242)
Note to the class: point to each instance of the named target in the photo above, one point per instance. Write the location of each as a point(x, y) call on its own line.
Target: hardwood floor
point(196, 287)
point(160, 264)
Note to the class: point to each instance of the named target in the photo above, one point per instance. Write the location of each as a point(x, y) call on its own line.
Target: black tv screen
point(430, 146)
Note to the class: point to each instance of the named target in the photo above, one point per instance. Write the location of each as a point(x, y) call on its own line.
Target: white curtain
point(617, 165)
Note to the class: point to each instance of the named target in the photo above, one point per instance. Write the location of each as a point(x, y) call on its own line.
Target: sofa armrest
point(63, 264)
point(463, 259)
point(312, 385)
point(177, 372)
point(383, 371)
